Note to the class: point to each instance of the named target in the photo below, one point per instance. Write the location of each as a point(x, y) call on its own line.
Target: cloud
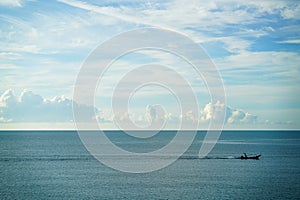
point(232, 115)
point(14, 3)
point(239, 116)
point(123, 13)
point(10, 56)
point(211, 111)
point(11, 3)
point(292, 12)
point(154, 117)
point(278, 122)
point(30, 107)
point(273, 67)
point(296, 41)
point(176, 13)
point(51, 33)
point(230, 22)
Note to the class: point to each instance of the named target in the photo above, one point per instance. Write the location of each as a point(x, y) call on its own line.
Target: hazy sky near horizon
point(255, 46)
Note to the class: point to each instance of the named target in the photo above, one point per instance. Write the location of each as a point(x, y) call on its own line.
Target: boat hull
point(256, 157)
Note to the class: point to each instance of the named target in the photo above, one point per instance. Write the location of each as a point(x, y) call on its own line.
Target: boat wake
point(88, 157)
point(209, 157)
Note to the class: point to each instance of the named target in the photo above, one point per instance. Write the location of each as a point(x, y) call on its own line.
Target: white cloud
point(235, 44)
point(291, 12)
point(273, 67)
point(210, 17)
point(11, 3)
point(178, 14)
point(295, 41)
point(22, 48)
point(232, 115)
point(70, 29)
point(47, 33)
point(122, 13)
point(211, 111)
point(14, 3)
point(239, 116)
point(30, 107)
point(9, 56)
point(154, 117)
point(8, 66)
point(154, 113)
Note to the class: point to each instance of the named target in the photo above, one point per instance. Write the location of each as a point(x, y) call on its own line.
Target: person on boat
point(245, 155)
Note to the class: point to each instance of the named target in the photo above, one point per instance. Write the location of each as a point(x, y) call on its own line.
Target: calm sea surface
point(55, 165)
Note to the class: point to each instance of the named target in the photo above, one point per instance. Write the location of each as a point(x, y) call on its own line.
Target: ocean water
point(56, 165)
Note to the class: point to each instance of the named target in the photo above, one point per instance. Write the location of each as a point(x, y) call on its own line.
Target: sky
point(254, 45)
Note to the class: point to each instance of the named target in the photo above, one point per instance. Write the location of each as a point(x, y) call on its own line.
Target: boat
point(254, 157)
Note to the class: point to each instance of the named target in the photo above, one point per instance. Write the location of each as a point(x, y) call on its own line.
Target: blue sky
point(254, 45)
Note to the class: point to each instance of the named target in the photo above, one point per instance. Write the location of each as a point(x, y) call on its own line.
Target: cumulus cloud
point(239, 116)
point(155, 113)
point(153, 117)
point(232, 115)
point(30, 107)
point(211, 111)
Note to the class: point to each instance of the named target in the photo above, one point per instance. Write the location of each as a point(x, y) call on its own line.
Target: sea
point(56, 165)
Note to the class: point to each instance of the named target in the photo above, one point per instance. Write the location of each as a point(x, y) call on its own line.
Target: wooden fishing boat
point(245, 157)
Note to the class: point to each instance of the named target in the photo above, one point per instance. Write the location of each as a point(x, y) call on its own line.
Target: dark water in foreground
point(55, 165)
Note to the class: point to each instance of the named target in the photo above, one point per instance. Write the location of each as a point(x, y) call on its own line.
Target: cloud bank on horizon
point(254, 44)
point(33, 108)
point(30, 107)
